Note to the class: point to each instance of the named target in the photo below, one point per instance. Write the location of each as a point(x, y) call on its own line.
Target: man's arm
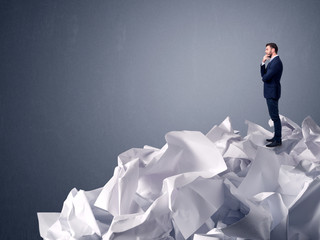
point(262, 65)
point(262, 69)
point(273, 70)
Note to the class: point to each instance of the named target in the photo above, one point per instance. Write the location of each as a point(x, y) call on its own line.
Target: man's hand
point(265, 58)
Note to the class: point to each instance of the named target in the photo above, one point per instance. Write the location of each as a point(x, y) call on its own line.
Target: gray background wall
point(83, 81)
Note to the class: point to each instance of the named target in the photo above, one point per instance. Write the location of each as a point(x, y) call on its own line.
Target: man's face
point(269, 51)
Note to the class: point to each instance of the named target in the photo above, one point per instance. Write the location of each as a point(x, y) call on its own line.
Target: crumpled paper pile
point(213, 186)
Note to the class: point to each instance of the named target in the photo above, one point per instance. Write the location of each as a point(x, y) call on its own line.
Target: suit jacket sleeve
point(273, 70)
point(262, 69)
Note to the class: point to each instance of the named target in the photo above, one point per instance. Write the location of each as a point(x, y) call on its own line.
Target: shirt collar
point(273, 58)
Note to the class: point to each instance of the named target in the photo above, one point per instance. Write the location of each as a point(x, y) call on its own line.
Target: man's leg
point(274, 115)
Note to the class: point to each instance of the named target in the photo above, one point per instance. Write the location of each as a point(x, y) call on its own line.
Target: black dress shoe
point(274, 144)
point(270, 140)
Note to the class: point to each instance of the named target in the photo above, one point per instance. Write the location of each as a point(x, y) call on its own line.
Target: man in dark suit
point(271, 76)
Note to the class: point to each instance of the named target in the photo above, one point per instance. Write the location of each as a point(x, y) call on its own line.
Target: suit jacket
point(271, 78)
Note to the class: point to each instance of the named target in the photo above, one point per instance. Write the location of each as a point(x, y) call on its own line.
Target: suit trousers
point(273, 108)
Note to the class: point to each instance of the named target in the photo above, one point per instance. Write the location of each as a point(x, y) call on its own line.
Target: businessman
point(271, 76)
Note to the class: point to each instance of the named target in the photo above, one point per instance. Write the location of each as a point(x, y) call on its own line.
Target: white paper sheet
point(213, 186)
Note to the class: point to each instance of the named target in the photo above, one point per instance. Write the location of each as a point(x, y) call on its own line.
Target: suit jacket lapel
point(269, 64)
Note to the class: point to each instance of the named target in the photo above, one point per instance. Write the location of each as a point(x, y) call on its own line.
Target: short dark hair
point(273, 45)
